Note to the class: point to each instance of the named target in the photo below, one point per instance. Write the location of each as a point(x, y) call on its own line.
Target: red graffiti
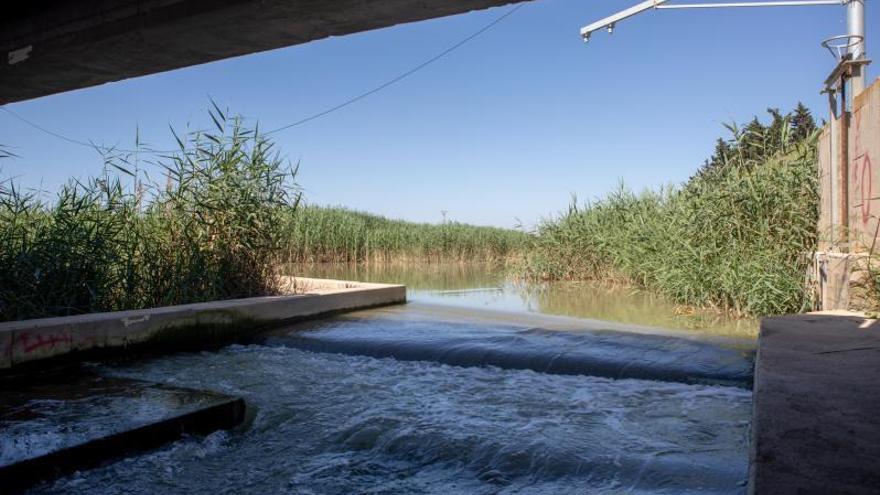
point(862, 171)
point(863, 178)
point(43, 341)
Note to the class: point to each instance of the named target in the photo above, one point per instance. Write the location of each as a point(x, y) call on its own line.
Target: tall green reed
point(209, 231)
point(737, 236)
point(336, 234)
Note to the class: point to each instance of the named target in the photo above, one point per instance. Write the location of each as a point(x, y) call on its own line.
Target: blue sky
point(507, 127)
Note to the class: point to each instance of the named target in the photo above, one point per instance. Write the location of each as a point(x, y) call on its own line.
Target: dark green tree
point(802, 123)
point(754, 142)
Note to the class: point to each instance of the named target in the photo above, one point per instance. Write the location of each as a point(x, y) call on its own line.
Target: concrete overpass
point(52, 46)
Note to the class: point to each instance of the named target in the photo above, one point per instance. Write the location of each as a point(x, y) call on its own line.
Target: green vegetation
point(206, 233)
point(737, 236)
point(227, 216)
point(224, 219)
point(327, 234)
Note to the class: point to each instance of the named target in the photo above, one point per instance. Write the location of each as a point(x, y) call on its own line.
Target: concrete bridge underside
point(51, 46)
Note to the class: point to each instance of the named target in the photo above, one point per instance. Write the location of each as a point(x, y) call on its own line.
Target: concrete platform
point(29, 342)
point(816, 422)
point(58, 424)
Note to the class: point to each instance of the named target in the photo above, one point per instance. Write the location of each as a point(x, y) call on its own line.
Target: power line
point(315, 116)
point(47, 131)
point(403, 75)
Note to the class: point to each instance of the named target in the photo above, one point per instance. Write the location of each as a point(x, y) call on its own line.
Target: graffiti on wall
point(862, 173)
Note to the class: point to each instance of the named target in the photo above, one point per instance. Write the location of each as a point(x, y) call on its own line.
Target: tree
point(754, 143)
point(802, 122)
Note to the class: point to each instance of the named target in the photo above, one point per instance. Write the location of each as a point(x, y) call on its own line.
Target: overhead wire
point(299, 122)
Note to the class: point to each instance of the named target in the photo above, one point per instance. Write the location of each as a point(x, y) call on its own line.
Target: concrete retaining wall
point(861, 182)
point(864, 182)
point(849, 211)
point(201, 324)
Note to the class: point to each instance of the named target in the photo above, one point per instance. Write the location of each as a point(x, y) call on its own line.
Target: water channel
point(477, 385)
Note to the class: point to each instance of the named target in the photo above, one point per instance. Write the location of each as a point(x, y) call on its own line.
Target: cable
point(318, 115)
point(47, 131)
point(403, 75)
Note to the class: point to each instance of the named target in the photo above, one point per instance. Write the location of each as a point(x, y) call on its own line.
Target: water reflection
point(428, 276)
point(489, 286)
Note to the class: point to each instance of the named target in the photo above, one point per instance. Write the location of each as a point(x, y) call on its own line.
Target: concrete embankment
point(185, 326)
point(58, 424)
point(816, 421)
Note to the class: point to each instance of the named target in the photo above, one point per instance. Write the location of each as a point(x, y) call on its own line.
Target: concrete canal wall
point(191, 325)
point(849, 211)
point(815, 424)
point(43, 442)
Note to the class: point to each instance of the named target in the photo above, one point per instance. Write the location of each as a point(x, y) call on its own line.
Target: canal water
point(486, 286)
point(478, 385)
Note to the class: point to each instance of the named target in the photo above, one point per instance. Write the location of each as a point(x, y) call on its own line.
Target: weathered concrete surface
point(863, 154)
point(860, 146)
point(56, 424)
point(833, 271)
point(816, 423)
point(186, 325)
point(849, 185)
point(50, 46)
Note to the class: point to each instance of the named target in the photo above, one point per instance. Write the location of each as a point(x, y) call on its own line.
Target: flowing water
point(485, 286)
point(475, 386)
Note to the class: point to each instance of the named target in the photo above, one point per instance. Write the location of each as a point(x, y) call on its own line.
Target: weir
point(352, 423)
point(57, 418)
point(416, 336)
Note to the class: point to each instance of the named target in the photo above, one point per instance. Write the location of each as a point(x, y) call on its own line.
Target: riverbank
point(228, 214)
point(737, 236)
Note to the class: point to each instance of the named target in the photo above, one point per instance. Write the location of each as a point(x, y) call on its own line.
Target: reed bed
point(319, 234)
point(109, 244)
point(737, 236)
point(228, 216)
point(221, 223)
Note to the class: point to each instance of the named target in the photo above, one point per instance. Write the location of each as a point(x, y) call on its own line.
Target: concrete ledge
point(815, 424)
point(201, 324)
point(64, 424)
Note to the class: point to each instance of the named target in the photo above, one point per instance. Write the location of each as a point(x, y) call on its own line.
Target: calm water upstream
point(475, 386)
point(482, 286)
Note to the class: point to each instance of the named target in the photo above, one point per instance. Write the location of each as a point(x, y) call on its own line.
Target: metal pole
point(609, 21)
point(855, 23)
point(843, 180)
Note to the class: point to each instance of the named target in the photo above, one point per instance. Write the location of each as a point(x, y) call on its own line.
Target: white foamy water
point(331, 423)
point(465, 391)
